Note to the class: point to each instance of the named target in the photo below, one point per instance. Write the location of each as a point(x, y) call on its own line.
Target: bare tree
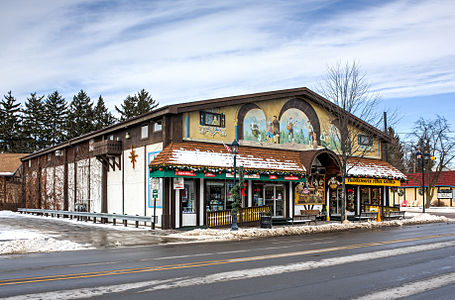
point(433, 137)
point(346, 87)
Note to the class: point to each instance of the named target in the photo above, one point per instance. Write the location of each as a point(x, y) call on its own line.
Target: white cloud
point(194, 50)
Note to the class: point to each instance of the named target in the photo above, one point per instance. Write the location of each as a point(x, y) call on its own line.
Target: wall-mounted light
point(127, 136)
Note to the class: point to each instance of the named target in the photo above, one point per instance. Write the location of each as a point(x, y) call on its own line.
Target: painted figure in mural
point(215, 121)
point(276, 130)
point(310, 134)
point(255, 131)
point(290, 128)
point(255, 126)
point(269, 133)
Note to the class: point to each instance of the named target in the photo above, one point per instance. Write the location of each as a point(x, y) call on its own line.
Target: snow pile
point(25, 241)
point(249, 233)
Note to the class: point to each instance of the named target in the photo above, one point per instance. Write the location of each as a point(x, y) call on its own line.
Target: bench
point(394, 215)
point(366, 215)
point(306, 216)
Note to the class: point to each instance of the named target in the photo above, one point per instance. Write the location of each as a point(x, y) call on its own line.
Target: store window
point(218, 196)
point(258, 194)
point(214, 195)
point(376, 196)
point(365, 195)
point(188, 198)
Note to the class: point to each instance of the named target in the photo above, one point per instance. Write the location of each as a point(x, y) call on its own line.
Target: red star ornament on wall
point(133, 156)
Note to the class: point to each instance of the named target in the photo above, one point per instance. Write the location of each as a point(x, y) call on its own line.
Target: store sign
point(272, 177)
point(291, 178)
point(445, 194)
point(372, 181)
point(179, 183)
point(209, 175)
point(253, 176)
point(184, 173)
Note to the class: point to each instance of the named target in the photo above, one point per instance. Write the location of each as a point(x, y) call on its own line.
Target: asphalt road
point(414, 262)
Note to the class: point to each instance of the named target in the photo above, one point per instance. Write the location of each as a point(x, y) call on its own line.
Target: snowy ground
point(17, 241)
point(27, 234)
point(248, 233)
point(20, 233)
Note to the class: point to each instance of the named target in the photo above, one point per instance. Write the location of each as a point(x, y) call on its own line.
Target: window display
point(214, 195)
point(258, 195)
point(188, 198)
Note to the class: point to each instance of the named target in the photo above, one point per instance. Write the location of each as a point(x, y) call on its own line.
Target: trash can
point(266, 220)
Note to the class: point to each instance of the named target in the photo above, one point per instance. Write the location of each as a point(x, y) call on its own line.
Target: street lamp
point(235, 151)
point(422, 158)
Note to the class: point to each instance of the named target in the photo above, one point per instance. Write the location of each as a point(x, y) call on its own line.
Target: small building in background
point(11, 188)
point(410, 192)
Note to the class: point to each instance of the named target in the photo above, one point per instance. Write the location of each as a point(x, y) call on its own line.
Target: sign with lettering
point(291, 178)
point(209, 175)
point(445, 194)
point(372, 181)
point(179, 183)
point(184, 173)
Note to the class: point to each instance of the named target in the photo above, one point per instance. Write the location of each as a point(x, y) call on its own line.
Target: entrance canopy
point(213, 160)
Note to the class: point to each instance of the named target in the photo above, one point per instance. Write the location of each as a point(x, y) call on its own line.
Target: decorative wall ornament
point(212, 130)
point(133, 156)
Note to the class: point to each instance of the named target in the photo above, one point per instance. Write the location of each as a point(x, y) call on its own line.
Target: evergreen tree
point(33, 123)
point(103, 116)
point(10, 126)
point(81, 116)
point(136, 105)
point(56, 112)
point(396, 152)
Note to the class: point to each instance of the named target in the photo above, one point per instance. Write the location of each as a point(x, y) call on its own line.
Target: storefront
point(195, 189)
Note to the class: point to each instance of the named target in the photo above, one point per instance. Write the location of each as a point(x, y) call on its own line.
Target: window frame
point(146, 127)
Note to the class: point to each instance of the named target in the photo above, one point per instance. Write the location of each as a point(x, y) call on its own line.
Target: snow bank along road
point(411, 261)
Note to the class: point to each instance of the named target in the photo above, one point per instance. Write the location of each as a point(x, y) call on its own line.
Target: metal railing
point(87, 216)
point(245, 216)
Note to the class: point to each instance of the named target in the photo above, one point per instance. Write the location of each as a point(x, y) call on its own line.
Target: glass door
point(274, 195)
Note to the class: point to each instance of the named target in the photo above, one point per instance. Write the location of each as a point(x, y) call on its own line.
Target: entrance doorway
point(274, 195)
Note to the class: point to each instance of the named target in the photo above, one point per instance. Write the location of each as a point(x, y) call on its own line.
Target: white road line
point(155, 285)
point(406, 290)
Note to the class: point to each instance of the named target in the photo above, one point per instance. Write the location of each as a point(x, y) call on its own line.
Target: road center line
point(211, 262)
point(181, 282)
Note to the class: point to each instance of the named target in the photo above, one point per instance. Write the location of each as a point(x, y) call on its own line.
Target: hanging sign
point(179, 183)
point(372, 181)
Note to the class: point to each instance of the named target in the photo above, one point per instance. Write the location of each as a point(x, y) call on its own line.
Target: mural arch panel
point(299, 123)
point(251, 123)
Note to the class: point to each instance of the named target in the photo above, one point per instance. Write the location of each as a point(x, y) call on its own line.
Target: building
point(171, 162)
point(410, 192)
point(11, 188)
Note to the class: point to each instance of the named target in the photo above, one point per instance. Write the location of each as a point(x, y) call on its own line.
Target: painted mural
point(295, 128)
point(331, 139)
point(254, 126)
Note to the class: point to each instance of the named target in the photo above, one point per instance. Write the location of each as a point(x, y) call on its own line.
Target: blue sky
point(193, 50)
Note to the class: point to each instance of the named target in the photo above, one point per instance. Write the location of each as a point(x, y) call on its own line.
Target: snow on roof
point(373, 168)
point(226, 160)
